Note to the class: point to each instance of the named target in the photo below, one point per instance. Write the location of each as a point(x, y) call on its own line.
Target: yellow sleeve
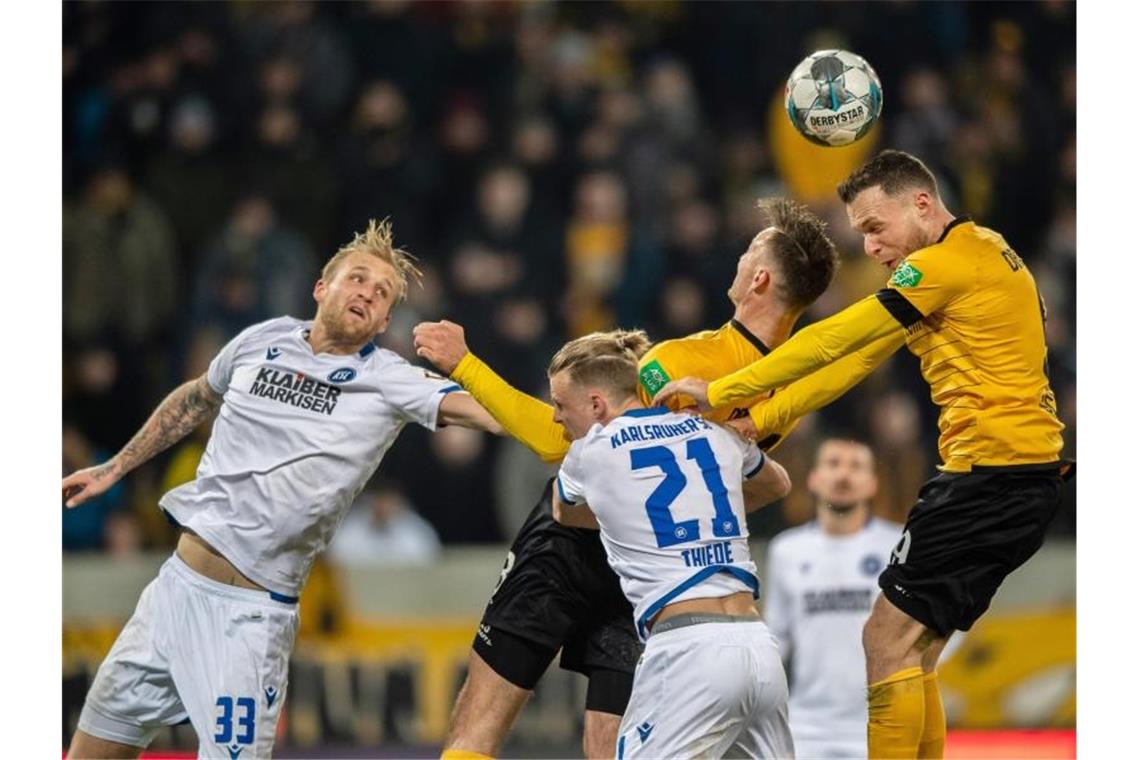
point(524, 417)
point(808, 350)
point(817, 390)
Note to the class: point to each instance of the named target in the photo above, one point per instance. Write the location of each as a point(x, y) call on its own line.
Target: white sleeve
point(777, 602)
point(222, 366)
point(569, 483)
point(415, 392)
point(753, 457)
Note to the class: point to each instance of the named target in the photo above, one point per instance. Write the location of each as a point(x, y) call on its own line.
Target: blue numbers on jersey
point(246, 707)
point(668, 531)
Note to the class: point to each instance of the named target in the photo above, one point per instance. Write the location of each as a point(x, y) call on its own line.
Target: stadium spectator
point(383, 528)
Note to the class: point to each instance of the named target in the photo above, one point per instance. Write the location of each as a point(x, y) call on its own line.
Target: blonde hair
point(607, 359)
point(377, 241)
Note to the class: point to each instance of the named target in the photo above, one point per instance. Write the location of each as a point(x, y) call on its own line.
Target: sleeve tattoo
point(179, 413)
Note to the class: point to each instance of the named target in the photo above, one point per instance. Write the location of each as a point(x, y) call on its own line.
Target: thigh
point(965, 534)
point(765, 731)
point(133, 694)
point(229, 654)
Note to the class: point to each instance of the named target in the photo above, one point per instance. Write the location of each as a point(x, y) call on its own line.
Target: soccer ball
point(833, 97)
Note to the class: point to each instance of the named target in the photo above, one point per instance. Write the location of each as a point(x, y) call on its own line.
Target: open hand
point(687, 386)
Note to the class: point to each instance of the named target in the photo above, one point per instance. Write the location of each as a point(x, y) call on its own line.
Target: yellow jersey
point(969, 310)
point(706, 354)
point(976, 322)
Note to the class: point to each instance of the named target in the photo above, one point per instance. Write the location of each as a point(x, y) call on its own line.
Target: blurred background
point(557, 168)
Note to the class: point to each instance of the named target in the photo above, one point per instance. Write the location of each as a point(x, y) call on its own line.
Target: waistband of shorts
point(187, 573)
point(685, 619)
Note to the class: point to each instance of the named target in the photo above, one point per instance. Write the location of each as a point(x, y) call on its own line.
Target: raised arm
point(179, 413)
point(522, 416)
point(807, 351)
point(821, 387)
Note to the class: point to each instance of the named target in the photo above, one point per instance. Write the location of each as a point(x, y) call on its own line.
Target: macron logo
point(644, 730)
point(272, 353)
point(270, 695)
point(235, 751)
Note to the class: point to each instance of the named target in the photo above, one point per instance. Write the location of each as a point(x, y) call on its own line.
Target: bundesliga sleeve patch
point(653, 377)
point(906, 276)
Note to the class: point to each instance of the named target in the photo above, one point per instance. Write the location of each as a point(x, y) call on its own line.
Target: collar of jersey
point(303, 334)
point(953, 223)
point(747, 335)
point(649, 411)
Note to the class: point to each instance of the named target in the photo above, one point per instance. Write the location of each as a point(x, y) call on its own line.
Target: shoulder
point(669, 351)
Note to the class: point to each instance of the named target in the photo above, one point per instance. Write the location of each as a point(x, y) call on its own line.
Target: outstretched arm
point(820, 388)
point(807, 351)
point(179, 413)
point(523, 417)
point(463, 410)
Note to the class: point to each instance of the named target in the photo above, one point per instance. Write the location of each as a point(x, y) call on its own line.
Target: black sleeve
point(900, 308)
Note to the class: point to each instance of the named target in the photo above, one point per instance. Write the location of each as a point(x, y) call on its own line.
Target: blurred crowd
point(556, 168)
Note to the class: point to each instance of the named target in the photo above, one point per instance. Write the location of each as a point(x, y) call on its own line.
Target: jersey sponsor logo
point(838, 600)
point(272, 353)
point(906, 276)
point(871, 565)
point(653, 376)
point(295, 389)
point(342, 375)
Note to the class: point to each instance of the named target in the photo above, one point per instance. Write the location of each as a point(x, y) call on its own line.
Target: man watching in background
point(822, 578)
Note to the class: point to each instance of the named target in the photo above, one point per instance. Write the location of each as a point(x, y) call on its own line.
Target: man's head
point(361, 283)
point(893, 202)
point(593, 377)
point(791, 259)
point(843, 476)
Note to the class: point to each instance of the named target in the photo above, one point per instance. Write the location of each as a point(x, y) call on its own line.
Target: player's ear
point(384, 325)
point(319, 291)
point(761, 280)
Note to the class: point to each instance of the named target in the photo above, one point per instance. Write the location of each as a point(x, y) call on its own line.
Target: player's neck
point(619, 409)
point(842, 523)
point(323, 343)
point(772, 323)
point(936, 228)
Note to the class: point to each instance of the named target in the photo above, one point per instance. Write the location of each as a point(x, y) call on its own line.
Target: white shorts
point(713, 689)
point(197, 650)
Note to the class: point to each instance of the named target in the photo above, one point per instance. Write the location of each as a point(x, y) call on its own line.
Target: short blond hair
point(377, 241)
point(606, 359)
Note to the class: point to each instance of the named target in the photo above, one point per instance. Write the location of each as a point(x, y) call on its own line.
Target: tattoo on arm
point(179, 413)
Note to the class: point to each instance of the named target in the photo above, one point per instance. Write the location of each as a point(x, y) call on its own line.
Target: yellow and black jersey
point(975, 320)
point(971, 313)
point(706, 354)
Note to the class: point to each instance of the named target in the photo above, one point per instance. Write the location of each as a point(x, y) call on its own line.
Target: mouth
point(891, 264)
point(358, 311)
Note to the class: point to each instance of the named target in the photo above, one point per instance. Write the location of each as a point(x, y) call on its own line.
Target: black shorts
point(966, 533)
point(557, 591)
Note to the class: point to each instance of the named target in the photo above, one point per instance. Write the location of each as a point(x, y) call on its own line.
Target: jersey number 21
point(668, 531)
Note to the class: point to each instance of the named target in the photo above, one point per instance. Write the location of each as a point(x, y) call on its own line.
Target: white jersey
point(666, 489)
point(297, 437)
point(819, 593)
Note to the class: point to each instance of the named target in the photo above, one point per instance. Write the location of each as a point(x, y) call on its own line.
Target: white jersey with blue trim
point(297, 437)
point(666, 488)
point(820, 589)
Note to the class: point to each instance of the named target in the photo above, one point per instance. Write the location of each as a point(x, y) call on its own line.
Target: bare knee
point(84, 745)
point(599, 736)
